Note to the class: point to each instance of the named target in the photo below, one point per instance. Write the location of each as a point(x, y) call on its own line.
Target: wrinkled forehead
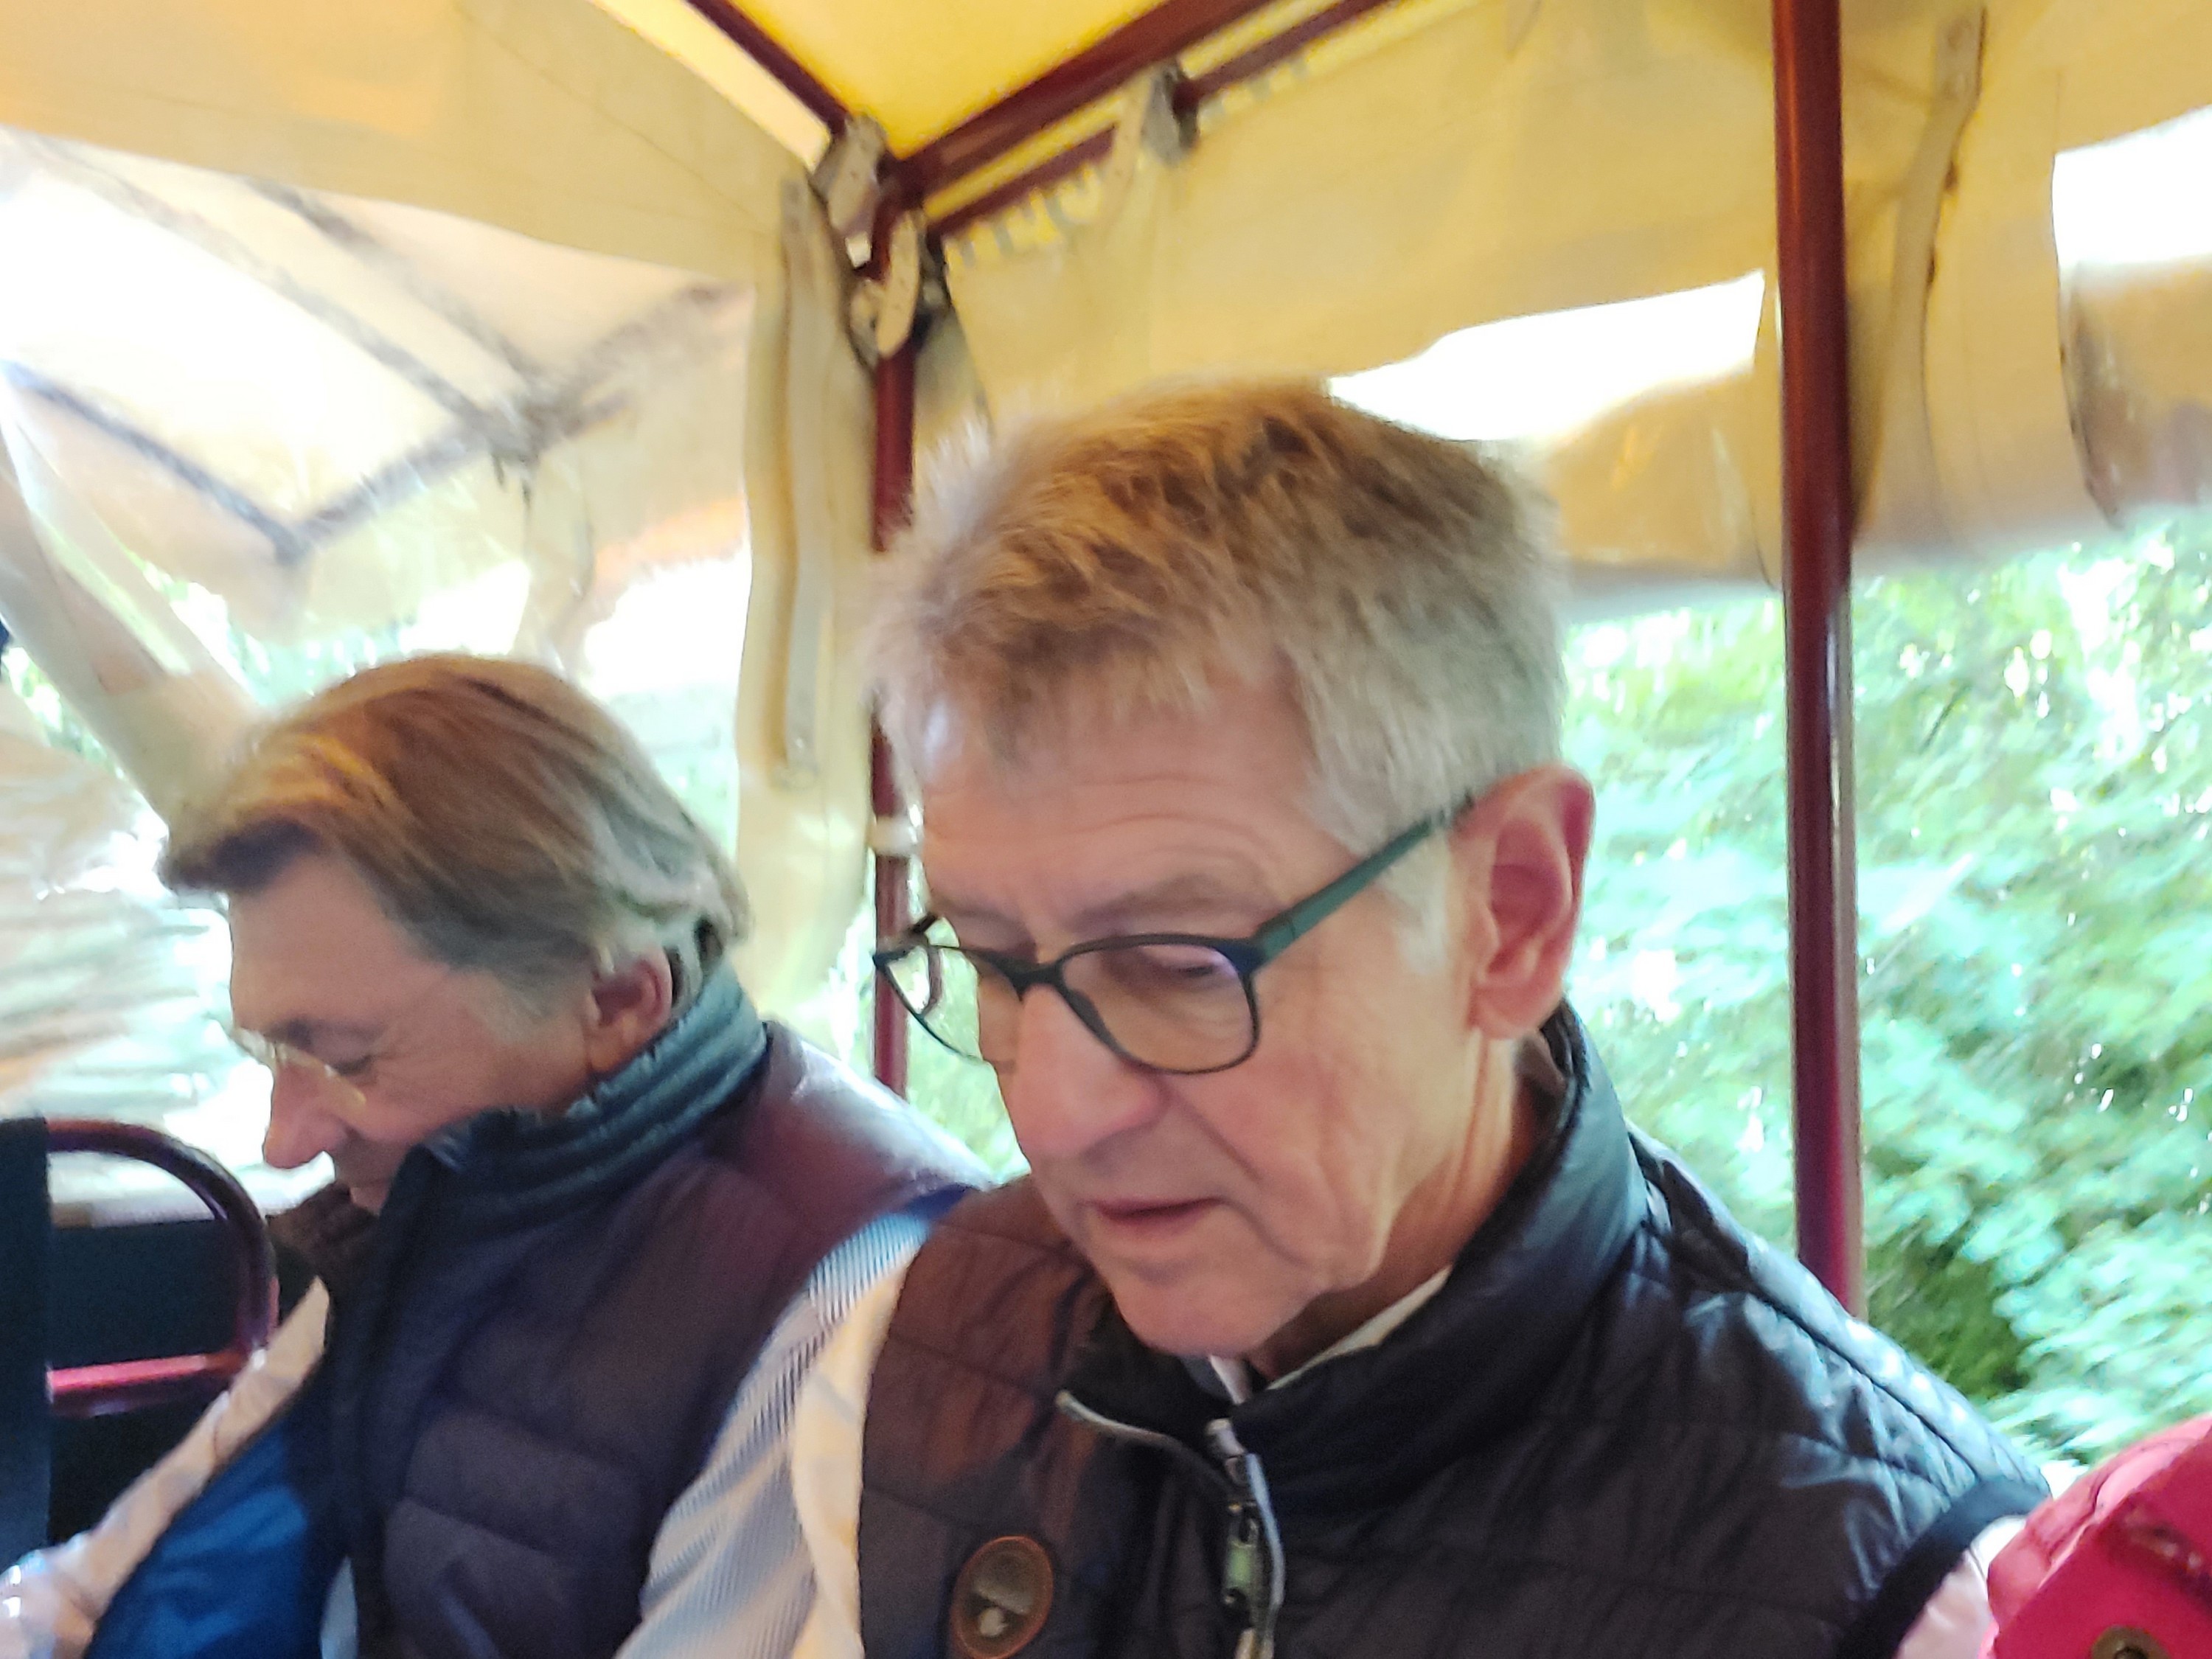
point(312, 944)
point(1095, 806)
point(1054, 726)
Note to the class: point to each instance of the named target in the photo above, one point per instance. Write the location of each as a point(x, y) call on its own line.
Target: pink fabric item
point(2127, 1545)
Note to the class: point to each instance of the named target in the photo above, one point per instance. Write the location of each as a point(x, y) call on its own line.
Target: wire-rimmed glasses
point(278, 1056)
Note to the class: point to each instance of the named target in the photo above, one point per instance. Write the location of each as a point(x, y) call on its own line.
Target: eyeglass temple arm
point(1309, 912)
point(888, 950)
point(1022, 975)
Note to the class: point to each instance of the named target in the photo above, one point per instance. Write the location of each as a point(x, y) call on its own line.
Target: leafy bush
point(2033, 797)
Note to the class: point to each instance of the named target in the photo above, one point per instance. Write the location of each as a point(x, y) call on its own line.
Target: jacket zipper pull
point(1251, 1562)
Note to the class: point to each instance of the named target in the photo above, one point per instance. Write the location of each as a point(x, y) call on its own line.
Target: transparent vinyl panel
point(256, 438)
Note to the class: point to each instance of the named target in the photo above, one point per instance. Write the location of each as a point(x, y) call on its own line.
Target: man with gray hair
point(593, 1216)
point(1341, 1312)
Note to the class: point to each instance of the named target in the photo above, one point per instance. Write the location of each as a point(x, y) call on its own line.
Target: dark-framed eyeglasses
point(1168, 1002)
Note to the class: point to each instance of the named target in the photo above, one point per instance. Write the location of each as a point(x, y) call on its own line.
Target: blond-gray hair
point(502, 818)
point(1402, 585)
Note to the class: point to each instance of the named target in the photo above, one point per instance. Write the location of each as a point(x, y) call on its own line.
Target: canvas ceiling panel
point(684, 32)
point(2007, 367)
point(1473, 163)
point(2119, 68)
point(542, 302)
point(1460, 182)
point(920, 69)
point(547, 117)
point(101, 220)
point(1465, 176)
point(2133, 234)
point(463, 296)
point(1449, 178)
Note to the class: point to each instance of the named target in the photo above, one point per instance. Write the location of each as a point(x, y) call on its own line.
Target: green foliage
point(959, 1095)
point(62, 728)
point(962, 1096)
point(2034, 791)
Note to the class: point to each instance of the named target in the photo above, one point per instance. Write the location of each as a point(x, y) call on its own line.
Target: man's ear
point(628, 1004)
point(1520, 849)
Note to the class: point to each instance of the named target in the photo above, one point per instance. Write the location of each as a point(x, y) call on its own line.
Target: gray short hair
point(502, 817)
point(1403, 585)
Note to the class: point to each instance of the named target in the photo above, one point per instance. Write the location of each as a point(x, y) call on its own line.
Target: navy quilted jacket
point(532, 1362)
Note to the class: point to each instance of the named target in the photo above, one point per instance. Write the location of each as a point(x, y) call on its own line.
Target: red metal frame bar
point(1250, 64)
point(893, 500)
point(1062, 164)
point(1167, 31)
point(1095, 147)
point(1157, 36)
point(98, 1390)
point(764, 49)
point(894, 915)
point(84, 1391)
point(1816, 588)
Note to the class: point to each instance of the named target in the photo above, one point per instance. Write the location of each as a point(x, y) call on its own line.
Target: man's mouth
point(1148, 1220)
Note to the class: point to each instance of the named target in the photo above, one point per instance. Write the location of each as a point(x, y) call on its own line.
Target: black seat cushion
point(26, 1233)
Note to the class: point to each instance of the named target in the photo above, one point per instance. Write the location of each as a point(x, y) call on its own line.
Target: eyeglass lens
point(281, 1056)
point(1172, 1006)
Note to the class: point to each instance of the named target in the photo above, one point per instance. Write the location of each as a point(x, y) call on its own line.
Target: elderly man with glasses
point(593, 1216)
point(1341, 1312)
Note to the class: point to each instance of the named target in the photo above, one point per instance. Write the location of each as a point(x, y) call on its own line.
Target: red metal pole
point(894, 493)
point(893, 917)
point(764, 49)
point(1816, 591)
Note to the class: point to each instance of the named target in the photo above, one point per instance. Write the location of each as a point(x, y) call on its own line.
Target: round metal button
point(1000, 1599)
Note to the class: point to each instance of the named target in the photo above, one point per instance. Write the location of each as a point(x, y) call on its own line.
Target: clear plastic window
point(265, 437)
point(2035, 795)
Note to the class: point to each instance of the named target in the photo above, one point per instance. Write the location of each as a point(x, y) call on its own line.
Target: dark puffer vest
point(1622, 1430)
point(533, 1356)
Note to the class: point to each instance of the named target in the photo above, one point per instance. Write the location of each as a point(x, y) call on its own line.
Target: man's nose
point(1066, 1090)
point(302, 1128)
